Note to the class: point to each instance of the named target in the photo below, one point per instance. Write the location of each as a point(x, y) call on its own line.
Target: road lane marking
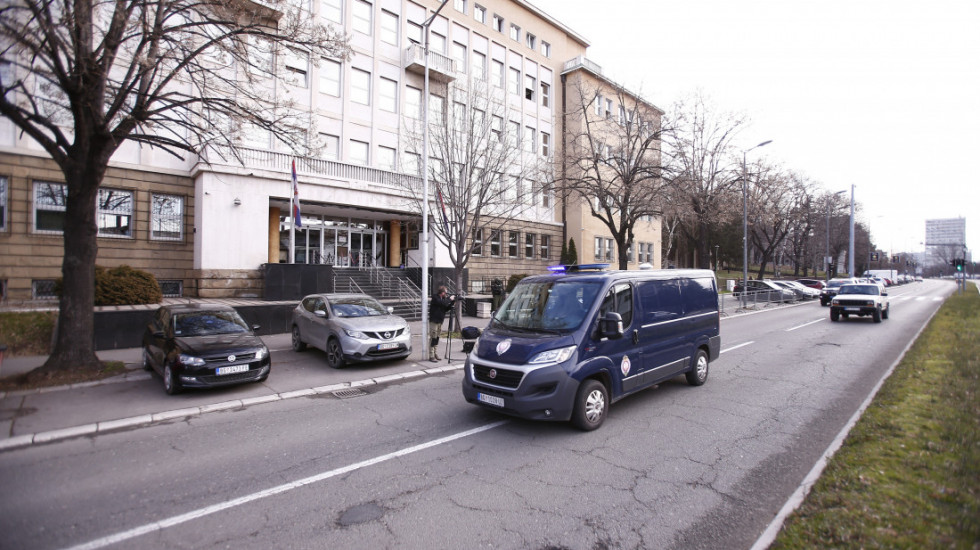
point(736, 347)
point(214, 508)
point(804, 325)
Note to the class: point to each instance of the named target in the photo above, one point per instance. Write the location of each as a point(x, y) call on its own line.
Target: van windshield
point(550, 305)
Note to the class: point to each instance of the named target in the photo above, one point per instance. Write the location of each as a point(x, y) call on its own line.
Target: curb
point(106, 426)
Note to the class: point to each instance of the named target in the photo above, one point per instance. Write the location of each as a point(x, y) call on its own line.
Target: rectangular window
point(412, 163)
point(514, 133)
point(361, 17)
point(546, 195)
point(331, 147)
point(531, 40)
point(480, 13)
point(437, 42)
point(514, 82)
point(3, 204)
point(166, 217)
point(598, 248)
point(529, 246)
point(513, 244)
point(529, 139)
point(360, 86)
point(386, 158)
point(114, 213)
point(43, 289)
point(598, 105)
point(515, 32)
point(545, 246)
point(388, 95)
point(495, 243)
point(330, 77)
point(437, 109)
point(389, 28)
point(545, 94)
point(545, 49)
point(460, 5)
point(297, 68)
point(332, 11)
point(413, 102)
point(609, 250)
point(545, 144)
point(649, 252)
point(478, 242)
point(498, 23)
point(629, 254)
point(459, 56)
point(609, 108)
point(497, 127)
point(359, 151)
point(529, 87)
point(49, 206)
point(414, 33)
point(479, 66)
point(497, 73)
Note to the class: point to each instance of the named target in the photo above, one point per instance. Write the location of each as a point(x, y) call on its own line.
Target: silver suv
point(350, 328)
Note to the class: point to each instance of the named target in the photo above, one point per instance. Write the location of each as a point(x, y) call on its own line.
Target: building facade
point(206, 226)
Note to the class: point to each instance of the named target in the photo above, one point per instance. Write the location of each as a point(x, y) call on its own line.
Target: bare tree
point(186, 76)
point(483, 173)
point(701, 164)
point(776, 201)
point(613, 160)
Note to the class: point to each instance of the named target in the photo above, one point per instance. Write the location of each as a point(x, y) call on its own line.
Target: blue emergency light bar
point(577, 267)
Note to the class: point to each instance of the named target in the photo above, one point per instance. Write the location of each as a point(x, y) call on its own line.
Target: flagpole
point(293, 196)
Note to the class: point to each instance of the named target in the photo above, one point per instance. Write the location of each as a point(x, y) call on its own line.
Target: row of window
point(605, 251)
point(44, 289)
point(534, 246)
point(498, 24)
point(114, 212)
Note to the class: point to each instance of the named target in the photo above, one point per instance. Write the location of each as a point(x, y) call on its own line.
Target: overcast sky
point(881, 94)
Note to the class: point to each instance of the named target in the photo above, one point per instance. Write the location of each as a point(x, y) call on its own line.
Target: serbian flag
point(442, 206)
point(296, 216)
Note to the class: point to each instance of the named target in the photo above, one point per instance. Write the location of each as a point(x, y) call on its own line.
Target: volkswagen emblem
point(492, 374)
point(503, 347)
point(231, 358)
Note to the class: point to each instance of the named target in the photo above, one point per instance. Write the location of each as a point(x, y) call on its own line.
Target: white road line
point(736, 347)
point(214, 508)
point(804, 325)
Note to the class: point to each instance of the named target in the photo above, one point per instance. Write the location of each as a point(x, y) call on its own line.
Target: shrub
point(123, 285)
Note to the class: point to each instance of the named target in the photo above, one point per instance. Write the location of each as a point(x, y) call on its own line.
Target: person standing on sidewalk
point(440, 304)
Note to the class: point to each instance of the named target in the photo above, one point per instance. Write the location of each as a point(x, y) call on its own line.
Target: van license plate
point(231, 370)
point(490, 399)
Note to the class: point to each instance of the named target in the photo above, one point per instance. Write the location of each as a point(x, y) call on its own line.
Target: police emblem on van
point(503, 347)
point(625, 365)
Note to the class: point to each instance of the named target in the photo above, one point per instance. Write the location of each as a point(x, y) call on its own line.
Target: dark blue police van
point(566, 345)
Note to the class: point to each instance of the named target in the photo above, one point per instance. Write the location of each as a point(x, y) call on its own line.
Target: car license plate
point(230, 370)
point(391, 345)
point(490, 399)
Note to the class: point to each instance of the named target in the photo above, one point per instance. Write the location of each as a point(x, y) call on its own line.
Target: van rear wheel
point(699, 374)
point(591, 405)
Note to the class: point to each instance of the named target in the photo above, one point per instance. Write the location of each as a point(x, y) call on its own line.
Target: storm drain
point(348, 393)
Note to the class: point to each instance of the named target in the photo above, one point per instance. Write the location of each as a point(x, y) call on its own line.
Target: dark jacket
point(438, 308)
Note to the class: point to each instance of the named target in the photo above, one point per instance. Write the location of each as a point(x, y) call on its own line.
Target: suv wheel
point(298, 344)
point(335, 354)
point(876, 315)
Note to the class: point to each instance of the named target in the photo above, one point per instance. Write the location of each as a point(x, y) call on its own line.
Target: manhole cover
point(348, 393)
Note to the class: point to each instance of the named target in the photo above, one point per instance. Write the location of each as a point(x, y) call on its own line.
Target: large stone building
point(207, 229)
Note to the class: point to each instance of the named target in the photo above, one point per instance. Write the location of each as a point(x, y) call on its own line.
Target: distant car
point(203, 346)
point(860, 299)
point(828, 292)
point(812, 283)
point(766, 291)
point(350, 328)
point(802, 292)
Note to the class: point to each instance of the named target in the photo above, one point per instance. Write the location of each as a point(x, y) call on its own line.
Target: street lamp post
point(850, 245)
point(717, 261)
point(425, 181)
point(745, 223)
point(826, 260)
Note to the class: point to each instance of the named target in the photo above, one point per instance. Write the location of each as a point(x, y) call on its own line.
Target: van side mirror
point(611, 326)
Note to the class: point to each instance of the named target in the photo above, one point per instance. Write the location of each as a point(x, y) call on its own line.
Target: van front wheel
point(699, 374)
point(591, 405)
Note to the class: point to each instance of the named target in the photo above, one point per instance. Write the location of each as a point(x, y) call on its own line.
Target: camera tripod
point(458, 326)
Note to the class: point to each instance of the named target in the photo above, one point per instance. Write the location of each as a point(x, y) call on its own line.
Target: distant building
point(946, 240)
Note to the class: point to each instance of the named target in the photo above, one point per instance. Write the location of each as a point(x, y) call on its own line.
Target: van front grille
point(498, 377)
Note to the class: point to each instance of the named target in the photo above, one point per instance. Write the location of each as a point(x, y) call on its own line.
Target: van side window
point(661, 300)
point(700, 295)
point(619, 299)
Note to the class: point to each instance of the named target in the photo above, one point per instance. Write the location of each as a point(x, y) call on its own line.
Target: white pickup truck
point(860, 299)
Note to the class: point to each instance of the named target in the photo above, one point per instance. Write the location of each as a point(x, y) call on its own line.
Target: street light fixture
point(745, 223)
point(425, 181)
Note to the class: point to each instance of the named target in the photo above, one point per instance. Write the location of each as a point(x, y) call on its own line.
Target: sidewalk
point(136, 398)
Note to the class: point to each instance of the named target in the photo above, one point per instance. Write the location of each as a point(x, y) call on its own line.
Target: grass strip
point(908, 474)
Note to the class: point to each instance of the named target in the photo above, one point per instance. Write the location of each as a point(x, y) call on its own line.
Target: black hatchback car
point(203, 346)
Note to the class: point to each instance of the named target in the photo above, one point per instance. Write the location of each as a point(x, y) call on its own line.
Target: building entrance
point(340, 243)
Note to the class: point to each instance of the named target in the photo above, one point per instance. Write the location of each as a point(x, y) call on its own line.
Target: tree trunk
point(74, 346)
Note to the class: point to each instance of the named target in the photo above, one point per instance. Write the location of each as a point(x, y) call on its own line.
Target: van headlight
point(559, 355)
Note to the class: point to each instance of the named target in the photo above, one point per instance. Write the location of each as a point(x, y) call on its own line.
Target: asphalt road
point(409, 464)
